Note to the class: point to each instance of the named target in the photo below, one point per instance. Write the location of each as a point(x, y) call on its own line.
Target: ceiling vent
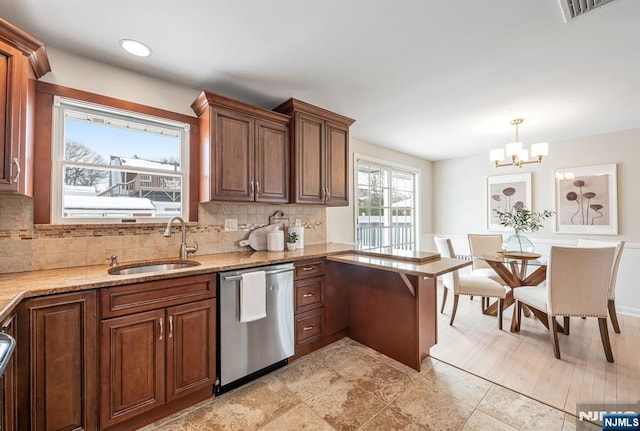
point(574, 8)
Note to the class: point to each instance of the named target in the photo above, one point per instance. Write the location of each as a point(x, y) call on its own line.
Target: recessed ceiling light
point(136, 48)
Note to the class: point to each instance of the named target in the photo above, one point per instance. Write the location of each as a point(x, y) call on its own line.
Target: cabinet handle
point(251, 189)
point(308, 268)
point(307, 328)
point(257, 188)
point(16, 163)
point(170, 326)
point(161, 327)
point(324, 194)
point(307, 295)
point(327, 195)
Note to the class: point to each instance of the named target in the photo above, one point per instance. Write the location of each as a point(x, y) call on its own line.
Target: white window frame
point(394, 166)
point(57, 159)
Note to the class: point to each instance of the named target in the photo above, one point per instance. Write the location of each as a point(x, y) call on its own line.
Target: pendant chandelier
point(519, 156)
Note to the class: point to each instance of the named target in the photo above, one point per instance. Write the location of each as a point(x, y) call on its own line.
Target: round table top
point(518, 255)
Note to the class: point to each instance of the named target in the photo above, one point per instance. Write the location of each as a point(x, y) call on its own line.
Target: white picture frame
point(503, 192)
point(586, 200)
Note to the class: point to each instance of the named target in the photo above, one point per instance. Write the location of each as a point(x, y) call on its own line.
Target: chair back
point(483, 244)
point(445, 248)
point(577, 281)
point(619, 246)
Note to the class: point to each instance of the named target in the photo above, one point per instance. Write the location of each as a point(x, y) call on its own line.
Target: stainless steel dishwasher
point(249, 350)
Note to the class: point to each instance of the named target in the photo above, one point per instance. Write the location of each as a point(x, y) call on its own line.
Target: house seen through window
point(387, 207)
point(112, 165)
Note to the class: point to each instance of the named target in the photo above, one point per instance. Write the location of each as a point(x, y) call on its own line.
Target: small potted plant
point(292, 238)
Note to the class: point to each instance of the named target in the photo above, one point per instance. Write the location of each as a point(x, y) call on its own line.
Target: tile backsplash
point(28, 247)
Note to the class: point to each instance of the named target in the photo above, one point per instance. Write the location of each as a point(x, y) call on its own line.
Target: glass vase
point(518, 243)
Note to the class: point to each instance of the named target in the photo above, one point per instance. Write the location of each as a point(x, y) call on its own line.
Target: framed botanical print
point(586, 200)
point(504, 192)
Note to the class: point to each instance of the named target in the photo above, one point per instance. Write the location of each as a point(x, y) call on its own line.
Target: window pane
point(112, 164)
point(386, 207)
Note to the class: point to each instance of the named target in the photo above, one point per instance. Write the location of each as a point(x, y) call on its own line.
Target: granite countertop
point(16, 286)
point(431, 268)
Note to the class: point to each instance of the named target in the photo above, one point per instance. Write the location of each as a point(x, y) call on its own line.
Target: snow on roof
point(107, 203)
point(141, 163)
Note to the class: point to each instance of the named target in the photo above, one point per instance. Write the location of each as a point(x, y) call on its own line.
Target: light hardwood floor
point(524, 361)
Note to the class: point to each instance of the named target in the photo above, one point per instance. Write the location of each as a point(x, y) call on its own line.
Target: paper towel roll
point(300, 231)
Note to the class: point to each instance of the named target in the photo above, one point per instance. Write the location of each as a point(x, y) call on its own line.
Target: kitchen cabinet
point(22, 60)
point(57, 362)
point(244, 151)
point(157, 347)
point(320, 154)
point(8, 401)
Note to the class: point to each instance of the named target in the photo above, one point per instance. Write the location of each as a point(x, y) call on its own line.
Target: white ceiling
point(433, 78)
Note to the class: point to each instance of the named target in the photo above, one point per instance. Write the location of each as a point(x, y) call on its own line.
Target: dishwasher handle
point(275, 271)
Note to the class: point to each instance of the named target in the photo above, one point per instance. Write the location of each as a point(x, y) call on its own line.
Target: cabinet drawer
point(151, 295)
point(309, 326)
point(309, 294)
point(309, 268)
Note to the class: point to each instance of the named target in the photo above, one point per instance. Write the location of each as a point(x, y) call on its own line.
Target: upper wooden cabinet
point(244, 151)
point(22, 60)
point(320, 154)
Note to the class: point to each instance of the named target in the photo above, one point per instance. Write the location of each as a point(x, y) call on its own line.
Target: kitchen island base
point(391, 312)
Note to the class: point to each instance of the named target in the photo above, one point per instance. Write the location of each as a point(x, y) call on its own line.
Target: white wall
point(459, 192)
point(83, 74)
point(340, 220)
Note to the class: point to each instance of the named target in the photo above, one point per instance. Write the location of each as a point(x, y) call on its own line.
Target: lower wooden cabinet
point(152, 358)
point(57, 362)
point(8, 402)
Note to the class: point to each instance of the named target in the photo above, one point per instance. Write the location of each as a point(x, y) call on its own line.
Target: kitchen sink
point(151, 266)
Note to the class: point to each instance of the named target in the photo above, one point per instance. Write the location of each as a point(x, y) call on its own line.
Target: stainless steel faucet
point(184, 248)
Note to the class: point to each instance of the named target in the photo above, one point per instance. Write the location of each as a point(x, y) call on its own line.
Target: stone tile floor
point(348, 386)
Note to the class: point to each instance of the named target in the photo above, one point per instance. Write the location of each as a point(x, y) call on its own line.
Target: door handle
point(161, 327)
point(170, 326)
point(16, 163)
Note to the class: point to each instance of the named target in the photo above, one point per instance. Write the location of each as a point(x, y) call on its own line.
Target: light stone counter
point(16, 286)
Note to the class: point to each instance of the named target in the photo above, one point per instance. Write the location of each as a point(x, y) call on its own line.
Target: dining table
point(518, 269)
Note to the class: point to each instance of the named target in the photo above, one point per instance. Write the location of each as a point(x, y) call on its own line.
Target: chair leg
point(553, 330)
point(470, 297)
point(613, 316)
point(500, 310)
point(455, 308)
point(604, 334)
point(444, 299)
point(566, 321)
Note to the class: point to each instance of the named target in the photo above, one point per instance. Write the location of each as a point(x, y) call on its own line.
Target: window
point(111, 165)
point(387, 206)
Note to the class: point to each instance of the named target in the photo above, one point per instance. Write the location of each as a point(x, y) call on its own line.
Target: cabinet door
point(233, 156)
point(62, 362)
point(272, 162)
point(12, 90)
point(191, 348)
point(132, 365)
point(337, 158)
point(309, 159)
point(8, 403)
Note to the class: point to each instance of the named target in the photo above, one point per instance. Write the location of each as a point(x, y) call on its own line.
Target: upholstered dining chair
point(474, 285)
point(577, 285)
point(611, 304)
point(484, 244)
